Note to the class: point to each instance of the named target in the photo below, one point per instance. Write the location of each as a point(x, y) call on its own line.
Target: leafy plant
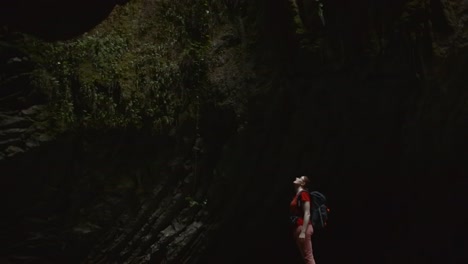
point(143, 66)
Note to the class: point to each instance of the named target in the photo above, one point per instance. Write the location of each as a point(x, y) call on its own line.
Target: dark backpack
point(318, 211)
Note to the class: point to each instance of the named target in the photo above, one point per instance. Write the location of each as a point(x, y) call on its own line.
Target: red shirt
point(295, 210)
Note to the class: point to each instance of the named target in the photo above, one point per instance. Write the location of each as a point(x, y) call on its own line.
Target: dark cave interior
point(395, 176)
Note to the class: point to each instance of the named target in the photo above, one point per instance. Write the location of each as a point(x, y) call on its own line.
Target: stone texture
point(377, 99)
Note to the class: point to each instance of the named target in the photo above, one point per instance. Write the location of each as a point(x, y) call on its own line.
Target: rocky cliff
point(170, 132)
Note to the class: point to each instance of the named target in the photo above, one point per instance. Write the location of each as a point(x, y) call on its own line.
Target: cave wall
point(55, 20)
point(368, 108)
point(371, 105)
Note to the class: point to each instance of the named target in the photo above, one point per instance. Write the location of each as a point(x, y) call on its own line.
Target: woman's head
point(302, 181)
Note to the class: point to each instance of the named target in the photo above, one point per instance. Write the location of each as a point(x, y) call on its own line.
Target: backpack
point(319, 210)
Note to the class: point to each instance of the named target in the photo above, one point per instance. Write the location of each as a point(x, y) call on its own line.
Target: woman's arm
point(306, 209)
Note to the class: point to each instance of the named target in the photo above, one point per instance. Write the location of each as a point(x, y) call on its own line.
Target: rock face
point(371, 105)
point(22, 131)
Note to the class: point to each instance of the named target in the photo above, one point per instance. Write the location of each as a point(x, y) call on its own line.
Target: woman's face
point(299, 181)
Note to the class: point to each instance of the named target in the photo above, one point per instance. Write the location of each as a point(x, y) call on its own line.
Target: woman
point(300, 211)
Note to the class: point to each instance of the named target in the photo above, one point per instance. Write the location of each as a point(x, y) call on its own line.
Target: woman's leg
point(305, 246)
point(300, 245)
point(308, 252)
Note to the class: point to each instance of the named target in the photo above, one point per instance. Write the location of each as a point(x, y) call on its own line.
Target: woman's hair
point(306, 180)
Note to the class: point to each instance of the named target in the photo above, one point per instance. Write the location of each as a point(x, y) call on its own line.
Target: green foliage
point(143, 66)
